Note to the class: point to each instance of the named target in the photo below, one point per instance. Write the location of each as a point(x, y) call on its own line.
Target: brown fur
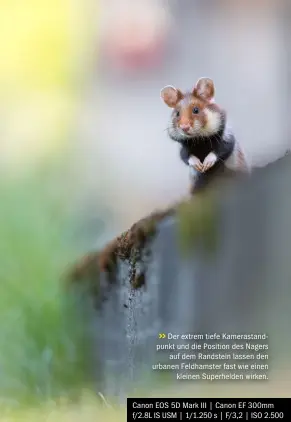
point(185, 120)
point(183, 104)
point(185, 108)
point(242, 162)
point(204, 89)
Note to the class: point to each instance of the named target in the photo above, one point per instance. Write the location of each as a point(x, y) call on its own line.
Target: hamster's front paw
point(209, 161)
point(196, 163)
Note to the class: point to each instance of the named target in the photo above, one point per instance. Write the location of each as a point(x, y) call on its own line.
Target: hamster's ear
point(171, 96)
point(204, 89)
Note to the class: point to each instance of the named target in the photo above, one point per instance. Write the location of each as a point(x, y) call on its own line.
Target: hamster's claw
point(196, 163)
point(199, 167)
point(209, 162)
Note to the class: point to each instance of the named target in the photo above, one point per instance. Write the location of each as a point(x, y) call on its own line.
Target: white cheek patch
point(173, 131)
point(197, 125)
point(196, 128)
point(213, 121)
point(184, 135)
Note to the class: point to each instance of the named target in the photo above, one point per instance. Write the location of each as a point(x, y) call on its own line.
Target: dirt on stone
point(130, 245)
point(127, 247)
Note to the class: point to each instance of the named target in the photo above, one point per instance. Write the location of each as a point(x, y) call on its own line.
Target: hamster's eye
point(177, 113)
point(195, 110)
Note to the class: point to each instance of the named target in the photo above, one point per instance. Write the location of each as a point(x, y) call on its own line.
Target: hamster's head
point(195, 113)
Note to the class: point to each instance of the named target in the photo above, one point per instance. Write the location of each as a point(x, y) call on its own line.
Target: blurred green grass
point(44, 336)
point(87, 411)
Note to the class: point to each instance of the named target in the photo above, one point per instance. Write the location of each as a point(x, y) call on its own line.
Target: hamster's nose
point(185, 127)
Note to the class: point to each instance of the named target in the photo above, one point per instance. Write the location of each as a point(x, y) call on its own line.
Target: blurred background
point(84, 152)
point(147, 44)
point(95, 68)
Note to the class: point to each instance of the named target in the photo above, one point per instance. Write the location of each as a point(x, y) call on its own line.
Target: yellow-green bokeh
point(43, 47)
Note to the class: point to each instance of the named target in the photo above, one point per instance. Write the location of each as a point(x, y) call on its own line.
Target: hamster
point(199, 125)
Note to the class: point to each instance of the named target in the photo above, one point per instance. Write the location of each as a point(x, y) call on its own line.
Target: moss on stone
point(197, 222)
point(129, 246)
point(84, 278)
